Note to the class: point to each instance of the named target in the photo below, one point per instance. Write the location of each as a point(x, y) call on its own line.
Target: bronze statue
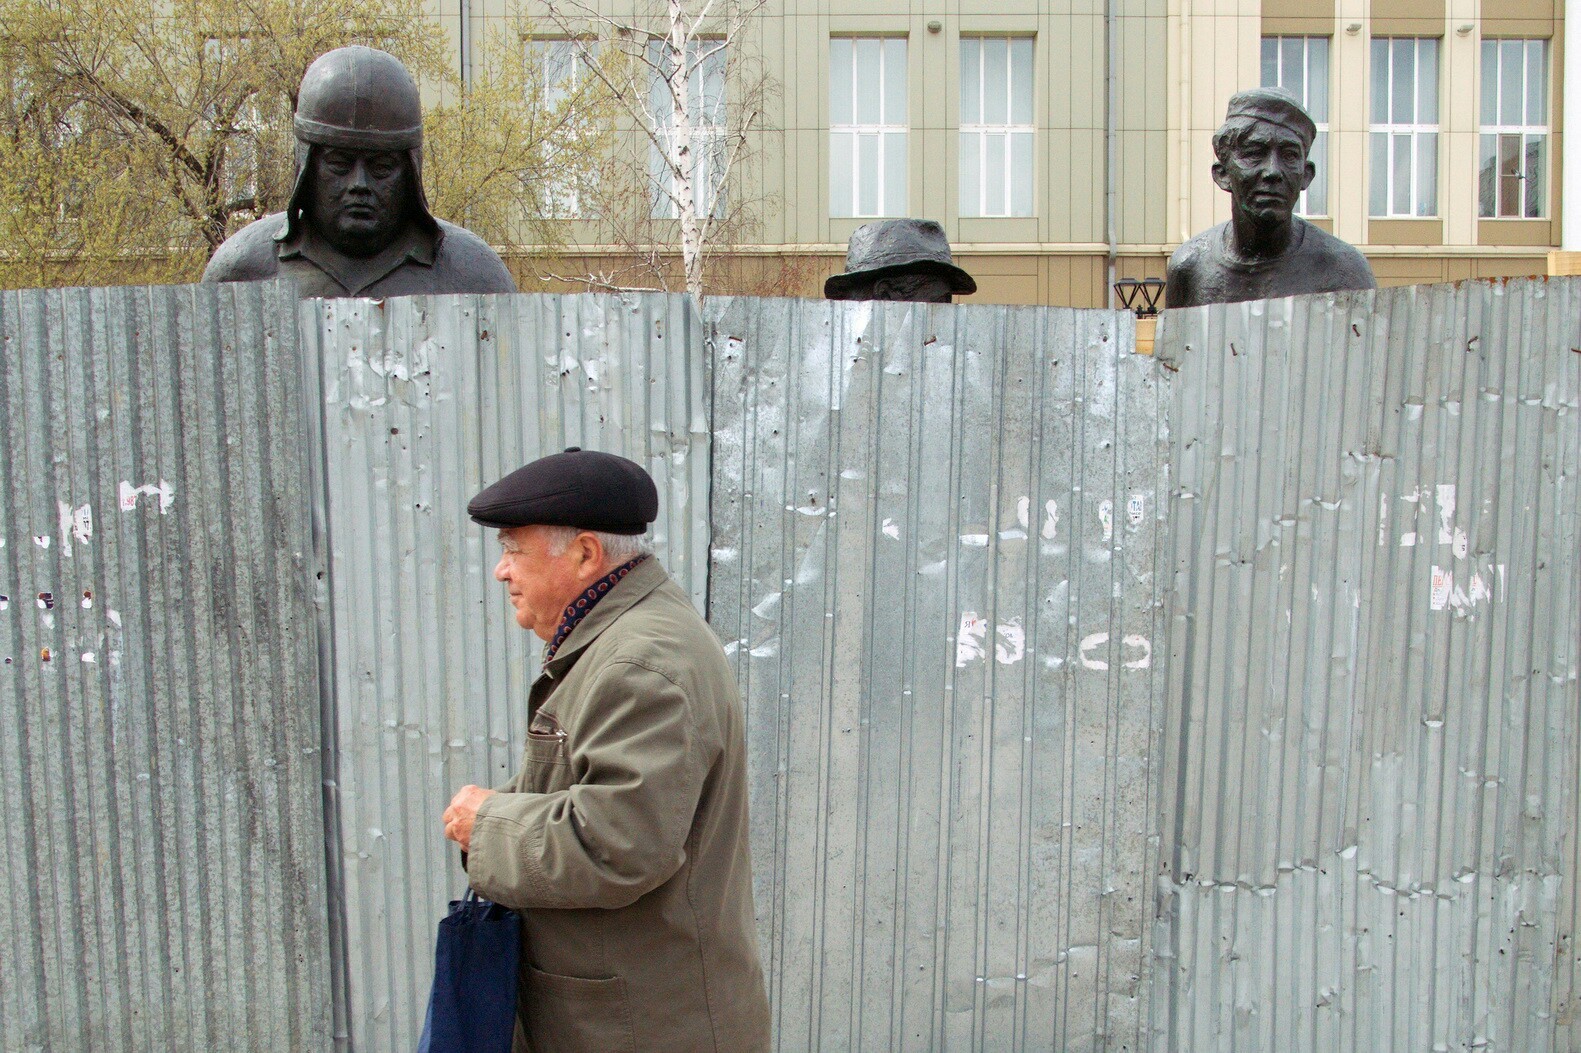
point(1265, 250)
point(358, 222)
point(899, 259)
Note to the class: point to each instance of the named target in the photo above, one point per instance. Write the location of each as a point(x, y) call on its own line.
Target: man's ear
point(1311, 174)
point(1221, 175)
point(591, 551)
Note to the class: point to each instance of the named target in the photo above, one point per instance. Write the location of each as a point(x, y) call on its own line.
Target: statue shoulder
point(470, 263)
point(1340, 258)
point(1185, 266)
point(248, 255)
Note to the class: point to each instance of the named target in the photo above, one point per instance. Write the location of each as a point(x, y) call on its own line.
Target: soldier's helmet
point(357, 98)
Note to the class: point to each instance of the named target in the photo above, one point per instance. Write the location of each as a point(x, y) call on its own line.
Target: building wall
point(1178, 63)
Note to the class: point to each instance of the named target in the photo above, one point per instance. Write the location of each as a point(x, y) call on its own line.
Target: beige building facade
point(1061, 145)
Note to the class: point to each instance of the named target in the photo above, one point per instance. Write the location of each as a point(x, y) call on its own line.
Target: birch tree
point(684, 76)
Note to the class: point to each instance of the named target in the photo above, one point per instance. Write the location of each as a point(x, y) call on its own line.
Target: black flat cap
point(578, 488)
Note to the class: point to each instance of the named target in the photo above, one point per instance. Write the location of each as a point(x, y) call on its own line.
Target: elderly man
point(358, 223)
point(1265, 250)
point(623, 839)
point(899, 259)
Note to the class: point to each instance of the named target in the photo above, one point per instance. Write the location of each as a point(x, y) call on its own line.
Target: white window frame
point(1304, 95)
point(709, 134)
point(1009, 130)
point(1526, 131)
point(560, 194)
point(1416, 209)
point(886, 131)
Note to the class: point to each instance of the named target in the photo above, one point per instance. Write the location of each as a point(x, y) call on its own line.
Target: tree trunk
point(683, 156)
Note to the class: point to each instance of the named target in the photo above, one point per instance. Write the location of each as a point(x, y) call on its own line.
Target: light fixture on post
point(1140, 297)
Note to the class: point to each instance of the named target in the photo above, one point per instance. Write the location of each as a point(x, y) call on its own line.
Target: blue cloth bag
point(472, 1008)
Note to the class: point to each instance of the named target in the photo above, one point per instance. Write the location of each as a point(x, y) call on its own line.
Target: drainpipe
point(1112, 139)
point(466, 45)
point(1570, 162)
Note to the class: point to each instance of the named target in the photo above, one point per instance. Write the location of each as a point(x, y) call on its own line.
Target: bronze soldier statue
point(358, 222)
point(899, 259)
point(1265, 250)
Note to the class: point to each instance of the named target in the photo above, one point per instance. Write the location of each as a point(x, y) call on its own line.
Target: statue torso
point(1203, 271)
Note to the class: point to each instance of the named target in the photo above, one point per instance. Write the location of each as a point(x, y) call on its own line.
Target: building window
point(560, 69)
point(1404, 127)
point(867, 126)
point(1299, 65)
point(705, 99)
point(1514, 128)
point(996, 126)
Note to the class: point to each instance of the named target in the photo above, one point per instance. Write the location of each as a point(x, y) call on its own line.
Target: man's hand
point(462, 813)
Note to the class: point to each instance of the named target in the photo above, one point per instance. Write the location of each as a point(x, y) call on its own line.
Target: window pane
point(1512, 92)
point(1402, 108)
point(865, 54)
point(1021, 80)
point(1427, 81)
point(894, 81)
point(1400, 202)
point(895, 161)
point(1021, 173)
point(1378, 197)
point(971, 183)
point(1317, 193)
point(840, 109)
point(1427, 174)
point(1490, 82)
point(996, 80)
point(842, 183)
point(1536, 82)
point(1292, 67)
point(1270, 62)
point(868, 175)
point(1509, 175)
point(1536, 155)
point(1317, 79)
point(1380, 81)
point(994, 175)
point(1487, 175)
point(971, 80)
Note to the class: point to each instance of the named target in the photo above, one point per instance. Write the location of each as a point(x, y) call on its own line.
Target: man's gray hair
point(618, 548)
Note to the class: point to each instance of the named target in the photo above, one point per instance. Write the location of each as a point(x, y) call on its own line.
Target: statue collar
point(412, 245)
point(1238, 261)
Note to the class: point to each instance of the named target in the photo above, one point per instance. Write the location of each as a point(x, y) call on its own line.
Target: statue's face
point(359, 198)
point(1265, 172)
point(916, 288)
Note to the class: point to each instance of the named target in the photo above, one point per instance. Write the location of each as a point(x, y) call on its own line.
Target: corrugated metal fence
point(1375, 622)
point(935, 548)
point(162, 853)
point(1223, 701)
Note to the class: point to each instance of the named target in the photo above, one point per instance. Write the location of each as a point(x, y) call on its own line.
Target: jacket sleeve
point(620, 830)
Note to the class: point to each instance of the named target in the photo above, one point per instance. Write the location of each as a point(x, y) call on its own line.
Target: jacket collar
point(643, 579)
point(355, 275)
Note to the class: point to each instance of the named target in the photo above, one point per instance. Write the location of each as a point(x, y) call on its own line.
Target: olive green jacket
point(623, 840)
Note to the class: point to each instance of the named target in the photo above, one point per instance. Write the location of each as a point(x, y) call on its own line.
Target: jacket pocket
point(546, 763)
point(570, 1014)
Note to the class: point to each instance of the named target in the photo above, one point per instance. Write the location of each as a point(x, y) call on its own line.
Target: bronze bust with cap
point(358, 223)
point(899, 259)
point(1265, 250)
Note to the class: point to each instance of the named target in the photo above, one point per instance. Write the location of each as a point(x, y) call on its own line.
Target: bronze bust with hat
point(358, 223)
point(1265, 250)
point(899, 259)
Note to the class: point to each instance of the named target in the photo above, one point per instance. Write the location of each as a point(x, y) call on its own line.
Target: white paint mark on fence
point(969, 642)
point(163, 490)
point(1106, 517)
point(1011, 646)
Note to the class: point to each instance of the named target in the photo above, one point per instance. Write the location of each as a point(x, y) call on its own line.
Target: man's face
point(540, 585)
point(1265, 172)
point(359, 198)
point(916, 288)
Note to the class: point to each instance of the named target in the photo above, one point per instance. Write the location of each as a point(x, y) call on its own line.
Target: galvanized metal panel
point(936, 531)
point(1375, 625)
point(162, 853)
point(422, 402)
